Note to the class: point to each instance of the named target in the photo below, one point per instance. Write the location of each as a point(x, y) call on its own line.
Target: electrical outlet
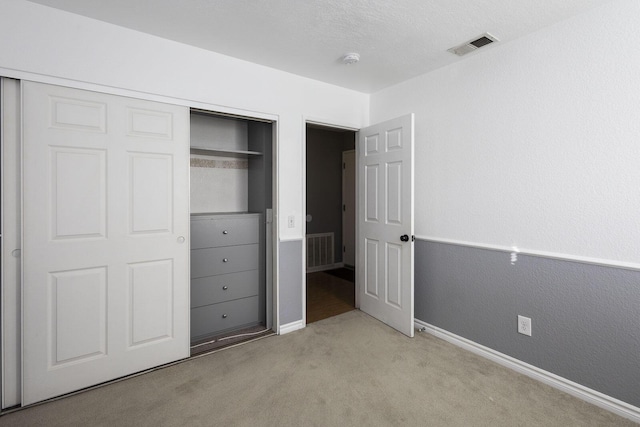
point(291, 221)
point(524, 325)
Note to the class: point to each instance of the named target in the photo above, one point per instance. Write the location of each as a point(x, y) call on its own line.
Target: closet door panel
point(78, 330)
point(105, 253)
point(150, 302)
point(151, 201)
point(78, 193)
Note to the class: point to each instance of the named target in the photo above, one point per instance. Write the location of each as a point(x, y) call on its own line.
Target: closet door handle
point(224, 288)
point(225, 232)
point(224, 316)
point(225, 259)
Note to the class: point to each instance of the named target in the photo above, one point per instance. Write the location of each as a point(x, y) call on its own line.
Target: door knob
point(224, 316)
point(181, 239)
point(225, 232)
point(225, 260)
point(224, 288)
point(404, 238)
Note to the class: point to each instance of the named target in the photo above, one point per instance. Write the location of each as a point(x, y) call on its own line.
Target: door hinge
point(344, 208)
point(413, 238)
point(344, 249)
point(344, 165)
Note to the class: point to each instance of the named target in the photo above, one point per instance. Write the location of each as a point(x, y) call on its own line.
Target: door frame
point(10, 229)
point(354, 200)
point(308, 120)
point(272, 297)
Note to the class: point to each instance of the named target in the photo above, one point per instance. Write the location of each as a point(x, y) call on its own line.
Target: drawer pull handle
point(224, 316)
point(224, 288)
point(225, 232)
point(225, 259)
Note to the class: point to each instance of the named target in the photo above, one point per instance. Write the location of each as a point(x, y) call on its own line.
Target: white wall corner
point(588, 395)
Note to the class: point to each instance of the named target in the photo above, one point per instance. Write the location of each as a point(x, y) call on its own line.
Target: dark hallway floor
point(329, 294)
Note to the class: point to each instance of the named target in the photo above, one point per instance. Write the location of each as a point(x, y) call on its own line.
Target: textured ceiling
point(397, 39)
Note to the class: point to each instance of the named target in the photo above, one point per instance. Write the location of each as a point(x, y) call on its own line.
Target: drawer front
point(211, 233)
point(223, 316)
point(230, 259)
point(223, 287)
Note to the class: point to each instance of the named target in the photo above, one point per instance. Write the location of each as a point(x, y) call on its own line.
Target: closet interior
point(231, 219)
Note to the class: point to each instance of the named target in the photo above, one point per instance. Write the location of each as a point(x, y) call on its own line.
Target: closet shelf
point(226, 153)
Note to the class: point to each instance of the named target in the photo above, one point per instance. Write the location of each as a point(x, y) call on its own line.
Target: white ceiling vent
point(472, 45)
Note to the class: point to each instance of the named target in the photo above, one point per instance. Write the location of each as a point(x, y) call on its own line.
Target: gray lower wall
point(585, 318)
point(290, 277)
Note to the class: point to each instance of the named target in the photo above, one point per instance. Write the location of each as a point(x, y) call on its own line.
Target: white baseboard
point(290, 327)
point(599, 399)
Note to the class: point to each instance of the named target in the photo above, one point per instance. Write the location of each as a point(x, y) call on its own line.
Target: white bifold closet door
point(105, 250)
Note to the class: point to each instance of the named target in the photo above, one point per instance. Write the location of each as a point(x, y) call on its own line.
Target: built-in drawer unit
point(225, 270)
point(224, 316)
point(228, 259)
point(223, 287)
point(209, 232)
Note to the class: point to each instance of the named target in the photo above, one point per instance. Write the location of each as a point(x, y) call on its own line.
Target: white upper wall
point(38, 42)
point(534, 143)
point(531, 143)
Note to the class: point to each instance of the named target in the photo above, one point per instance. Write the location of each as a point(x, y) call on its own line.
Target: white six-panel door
point(385, 215)
point(105, 252)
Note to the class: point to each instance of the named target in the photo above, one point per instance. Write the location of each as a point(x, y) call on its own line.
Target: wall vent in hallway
point(319, 252)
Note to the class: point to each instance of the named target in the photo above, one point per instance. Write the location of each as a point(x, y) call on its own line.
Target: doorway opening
point(330, 221)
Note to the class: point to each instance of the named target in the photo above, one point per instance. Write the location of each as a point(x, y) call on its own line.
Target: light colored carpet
point(349, 370)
